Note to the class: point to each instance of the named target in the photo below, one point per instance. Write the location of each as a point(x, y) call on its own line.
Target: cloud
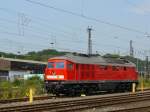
point(142, 8)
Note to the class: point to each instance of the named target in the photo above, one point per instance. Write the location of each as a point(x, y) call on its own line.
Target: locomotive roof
point(96, 59)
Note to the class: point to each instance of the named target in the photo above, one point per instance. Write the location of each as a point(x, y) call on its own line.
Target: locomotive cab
point(57, 73)
point(55, 70)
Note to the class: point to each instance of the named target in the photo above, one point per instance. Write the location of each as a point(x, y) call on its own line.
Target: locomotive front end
point(54, 75)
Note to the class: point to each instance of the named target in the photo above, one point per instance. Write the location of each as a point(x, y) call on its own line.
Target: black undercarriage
point(73, 88)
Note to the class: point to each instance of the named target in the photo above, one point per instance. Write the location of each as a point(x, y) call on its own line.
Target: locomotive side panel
point(93, 72)
point(115, 73)
point(85, 72)
point(103, 72)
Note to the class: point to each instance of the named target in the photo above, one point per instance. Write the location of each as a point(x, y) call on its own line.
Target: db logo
point(53, 73)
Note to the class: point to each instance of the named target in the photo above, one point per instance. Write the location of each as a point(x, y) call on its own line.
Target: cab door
point(71, 71)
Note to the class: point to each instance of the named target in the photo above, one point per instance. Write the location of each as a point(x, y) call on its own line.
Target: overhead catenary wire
point(65, 41)
point(85, 17)
point(138, 52)
point(46, 34)
point(39, 21)
point(41, 24)
point(76, 42)
point(22, 44)
point(10, 34)
point(97, 44)
point(83, 42)
point(37, 28)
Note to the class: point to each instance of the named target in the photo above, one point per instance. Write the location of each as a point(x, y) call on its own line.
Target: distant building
point(11, 69)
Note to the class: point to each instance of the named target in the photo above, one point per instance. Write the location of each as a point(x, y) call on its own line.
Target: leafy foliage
point(20, 88)
point(144, 81)
point(111, 56)
point(43, 55)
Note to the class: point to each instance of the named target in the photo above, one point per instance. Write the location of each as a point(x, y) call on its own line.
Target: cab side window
point(70, 66)
point(125, 68)
point(104, 67)
point(115, 68)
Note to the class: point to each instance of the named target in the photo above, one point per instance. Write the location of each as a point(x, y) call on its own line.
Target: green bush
point(145, 81)
point(5, 88)
point(36, 84)
point(20, 88)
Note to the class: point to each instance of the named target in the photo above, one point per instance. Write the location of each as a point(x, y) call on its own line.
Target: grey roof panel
point(95, 60)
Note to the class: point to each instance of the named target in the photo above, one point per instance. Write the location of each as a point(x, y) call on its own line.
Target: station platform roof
point(19, 64)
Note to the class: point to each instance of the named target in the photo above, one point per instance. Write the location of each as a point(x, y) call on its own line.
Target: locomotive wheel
point(57, 94)
point(72, 92)
point(89, 91)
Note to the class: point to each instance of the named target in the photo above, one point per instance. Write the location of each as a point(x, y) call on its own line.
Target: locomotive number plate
point(55, 76)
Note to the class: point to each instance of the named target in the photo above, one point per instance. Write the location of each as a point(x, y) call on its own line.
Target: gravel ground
point(64, 99)
point(59, 99)
point(118, 107)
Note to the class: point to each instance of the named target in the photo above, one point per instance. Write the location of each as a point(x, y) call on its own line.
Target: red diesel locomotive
point(75, 74)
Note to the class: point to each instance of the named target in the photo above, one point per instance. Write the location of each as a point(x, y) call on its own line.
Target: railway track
point(37, 98)
point(134, 109)
point(25, 99)
point(81, 104)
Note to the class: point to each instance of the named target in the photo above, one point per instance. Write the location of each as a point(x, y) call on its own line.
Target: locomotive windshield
point(60, 65)
point(55, 65)
point(50, 65)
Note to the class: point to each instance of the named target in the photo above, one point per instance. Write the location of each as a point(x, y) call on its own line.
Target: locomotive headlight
point(51, 76)
point(61, 76)
point(47, 76)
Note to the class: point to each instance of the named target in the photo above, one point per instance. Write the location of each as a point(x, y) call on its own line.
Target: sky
point(33, 25)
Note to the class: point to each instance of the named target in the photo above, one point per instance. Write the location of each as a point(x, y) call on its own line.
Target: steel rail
point(25, 99)
point(74, 105)
point(134, 109)
point(36, 98)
